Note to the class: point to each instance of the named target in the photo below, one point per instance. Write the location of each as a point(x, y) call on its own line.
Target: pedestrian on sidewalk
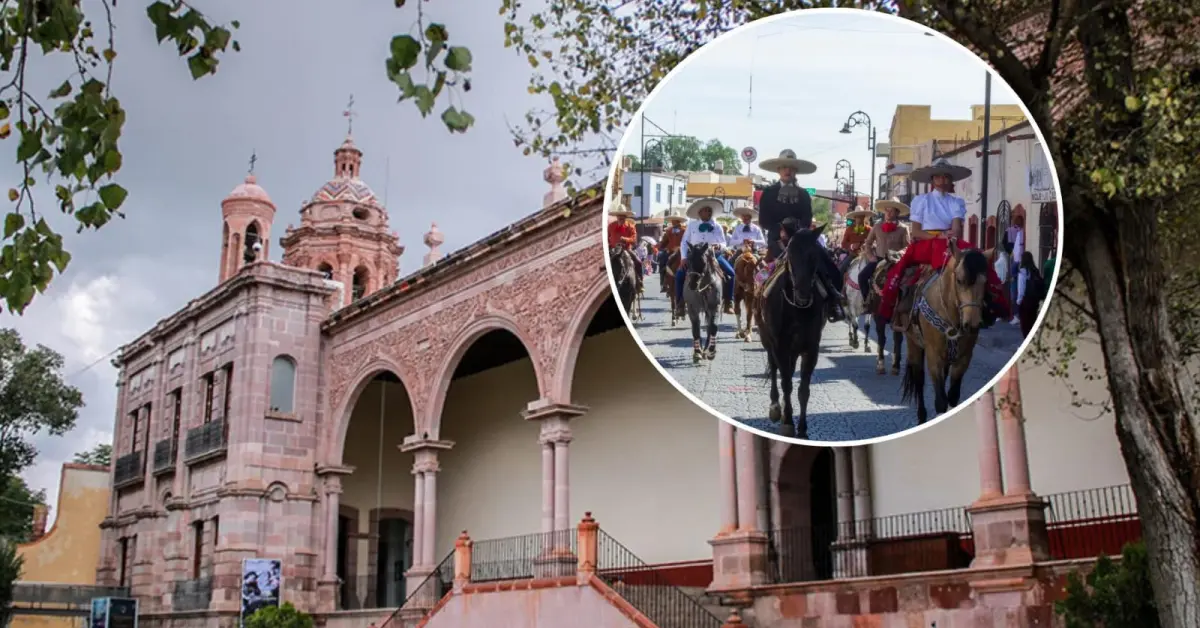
point(1031, 289)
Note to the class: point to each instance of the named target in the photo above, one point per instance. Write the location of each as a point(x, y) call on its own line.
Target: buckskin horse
point(791, 319)
point(702, 289)
point(744, 269)
point(947, 313)
point(623, 269)
point(667, 278)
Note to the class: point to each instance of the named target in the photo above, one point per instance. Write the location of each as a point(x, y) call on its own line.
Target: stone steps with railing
point(584, 554)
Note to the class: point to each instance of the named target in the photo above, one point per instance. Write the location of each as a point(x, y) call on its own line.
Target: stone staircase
point(714, 605)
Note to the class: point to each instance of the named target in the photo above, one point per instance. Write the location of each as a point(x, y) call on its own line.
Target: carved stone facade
point(213, 466)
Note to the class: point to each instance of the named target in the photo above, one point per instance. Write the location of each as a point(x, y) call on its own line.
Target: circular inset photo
point(832, 226)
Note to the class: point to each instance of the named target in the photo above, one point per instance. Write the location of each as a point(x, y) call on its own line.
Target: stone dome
point(345, 189)
point(250, 189)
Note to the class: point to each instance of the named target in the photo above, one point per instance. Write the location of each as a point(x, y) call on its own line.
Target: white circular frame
point(962, 405)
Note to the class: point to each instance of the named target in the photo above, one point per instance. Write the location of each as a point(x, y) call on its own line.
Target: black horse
point(623, 270)
point(791, 320)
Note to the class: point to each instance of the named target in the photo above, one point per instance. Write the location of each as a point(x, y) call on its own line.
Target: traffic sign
point(749, 154)
point(811, 191)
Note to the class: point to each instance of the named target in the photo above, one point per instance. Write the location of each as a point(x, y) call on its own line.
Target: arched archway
point(973, 229)
point(989, 237)
point(361, 283)
point(326, 269)
point(807, 503)
point(593, 317)
point(490, 480)
point(1047, 232)
point(375, 523)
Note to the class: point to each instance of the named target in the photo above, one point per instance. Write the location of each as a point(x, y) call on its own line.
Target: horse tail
point(912, 380)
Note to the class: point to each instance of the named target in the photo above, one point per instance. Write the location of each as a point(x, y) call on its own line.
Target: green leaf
point(63, 90)
point(235, 24)
point(199, 65)
point(12, 224)
point(404, 81)
point(113, 195)
point(405, 51)
point(31, 143)
point(457, 121)
point(424, 99)
point(458, 58)
point(437, 33)
point(160, 15)
point(3, 110)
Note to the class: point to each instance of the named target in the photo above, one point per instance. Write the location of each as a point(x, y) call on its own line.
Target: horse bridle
point(788, 293)
point(708, 260)
point(626, 265)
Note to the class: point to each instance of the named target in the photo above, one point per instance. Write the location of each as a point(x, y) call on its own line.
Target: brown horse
point(674, 259)
point(744, 268)
point(878, 279)
point(944, 326)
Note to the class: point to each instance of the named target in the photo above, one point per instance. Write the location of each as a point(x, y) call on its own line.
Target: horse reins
point(708, 261)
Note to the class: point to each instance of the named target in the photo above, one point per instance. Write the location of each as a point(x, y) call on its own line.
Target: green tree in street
point(10, 572)
point(16, 508)
point(99, 455)
point(689, 154)
point(822, 210)
point(284, 616)
point(33, 399)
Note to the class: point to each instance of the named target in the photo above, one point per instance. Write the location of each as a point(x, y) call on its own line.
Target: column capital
point(426, 464)
point(555, 432)
point(415, 444)
point(545, 409)
point(326, 470)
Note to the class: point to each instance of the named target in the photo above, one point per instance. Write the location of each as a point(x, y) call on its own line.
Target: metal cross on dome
point(253, 160)
point(350, 115)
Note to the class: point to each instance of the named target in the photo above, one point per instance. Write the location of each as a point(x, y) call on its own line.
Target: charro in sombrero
point(745, 210)
point(884, 204)
point(858, 212)
point(787, 159)
point(620, 211)
point(715, 204)
point(940, 167)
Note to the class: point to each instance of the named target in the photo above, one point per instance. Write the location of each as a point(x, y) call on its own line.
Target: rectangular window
point(637, 191)
point(197, 547)
point(208, 385)
point(670, 193)
point(227, 393)
point(146, 438)
point(681, 191)
point(216, 535)
point(657, 192)
point(176, 401)
point(123, 560)
point(134, 421)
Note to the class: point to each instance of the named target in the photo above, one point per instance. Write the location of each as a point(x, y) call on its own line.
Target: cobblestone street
point(848, 400)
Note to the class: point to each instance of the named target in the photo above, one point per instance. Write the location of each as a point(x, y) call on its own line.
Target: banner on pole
point(261, 584)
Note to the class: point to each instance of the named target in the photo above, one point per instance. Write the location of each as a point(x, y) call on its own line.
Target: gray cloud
point(187, 144)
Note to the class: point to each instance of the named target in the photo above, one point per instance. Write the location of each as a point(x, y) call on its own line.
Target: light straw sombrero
point(859, 212)
point(787, 159)
point(745, 210)
point(620, 211)
point(884, 205)
point(715, 204)
point(943, 167)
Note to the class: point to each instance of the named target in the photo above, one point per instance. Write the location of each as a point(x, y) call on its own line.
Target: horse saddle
point(908, 291)
point(767, 277)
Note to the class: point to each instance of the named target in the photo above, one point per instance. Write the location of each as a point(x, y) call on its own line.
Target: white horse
point(856, 315)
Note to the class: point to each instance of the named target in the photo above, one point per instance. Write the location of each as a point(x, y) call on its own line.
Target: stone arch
point(283, 374)
point(802, 481)
point(345, 410)
point(989, 239)
point(564, 371)
point(458, 348)
point(361, 281)
point(326, 267)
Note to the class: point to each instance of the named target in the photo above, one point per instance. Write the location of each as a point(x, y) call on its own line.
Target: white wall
point(649, 180)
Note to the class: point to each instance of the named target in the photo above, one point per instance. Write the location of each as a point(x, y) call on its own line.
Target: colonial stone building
point(353, 424)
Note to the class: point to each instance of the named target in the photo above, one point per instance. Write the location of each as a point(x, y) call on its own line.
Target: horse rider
point(671, 239)
point(937, 219)
point(785, 198)
point(747, 232)
point(885, 238)
point(703, 230)
point(856, 230)
point(622, 233)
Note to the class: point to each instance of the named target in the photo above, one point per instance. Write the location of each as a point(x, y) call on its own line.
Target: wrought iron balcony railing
point(193, 595)
point(129, 470)
point(164, 455)
point(205, 441)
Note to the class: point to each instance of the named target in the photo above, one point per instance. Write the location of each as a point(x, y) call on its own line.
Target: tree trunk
point(1153, 395)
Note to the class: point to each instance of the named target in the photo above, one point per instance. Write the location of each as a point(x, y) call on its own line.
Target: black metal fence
point(193, 595)
point(59, 599)
point(205, 440)
point(164, 455)
point(909, 543)
point(1088, 523)
point(646, 589)
point(428, 593)
point(527, 556)
point(129, 469)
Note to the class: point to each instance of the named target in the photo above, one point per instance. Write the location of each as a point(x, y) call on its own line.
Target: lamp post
point(860, 118)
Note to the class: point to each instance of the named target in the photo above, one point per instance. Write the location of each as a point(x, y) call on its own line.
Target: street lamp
point(860, 118)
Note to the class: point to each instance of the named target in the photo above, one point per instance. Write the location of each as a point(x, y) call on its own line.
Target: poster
point(261, 580)
point(1041, 178)
point(113, 612)
point(99, 617)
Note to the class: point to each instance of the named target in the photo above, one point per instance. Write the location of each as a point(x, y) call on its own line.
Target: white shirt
point(1002, 266)
point(1019, 244)
point(823, 241)
point(693, 235)
point(935, 210)
point(744, 232)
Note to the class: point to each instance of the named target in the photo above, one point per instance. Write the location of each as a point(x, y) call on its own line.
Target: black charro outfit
point(780, 201)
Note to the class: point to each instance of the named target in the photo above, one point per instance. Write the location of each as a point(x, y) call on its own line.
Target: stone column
point(861, 472)
point(418, 516)
point(990, 483)
point(747, 487)
point(547, 487)
point(728, 481)
point(740, 557)
point(328, 584)
point(845, 493)
point(429, 472)
point(554, 441)
point(1012, 431)
point(425, 468)
point(1008, 529)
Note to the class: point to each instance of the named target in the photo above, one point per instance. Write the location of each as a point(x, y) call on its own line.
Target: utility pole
point(987, 133)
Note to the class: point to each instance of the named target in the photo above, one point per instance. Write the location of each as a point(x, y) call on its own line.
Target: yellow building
point(913, 126)
point(59, 570)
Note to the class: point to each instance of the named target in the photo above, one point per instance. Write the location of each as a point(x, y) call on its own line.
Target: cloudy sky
point(810, 71)
point(187, 144)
